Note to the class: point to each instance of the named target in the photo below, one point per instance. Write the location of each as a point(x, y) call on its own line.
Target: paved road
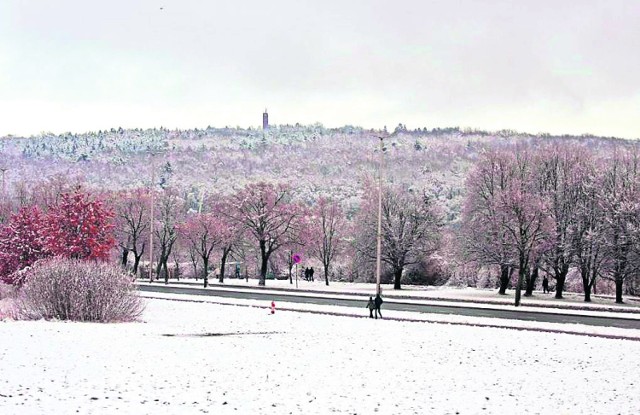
point(464, 309)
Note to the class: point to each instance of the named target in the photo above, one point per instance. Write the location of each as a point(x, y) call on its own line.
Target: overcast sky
point(530, 65)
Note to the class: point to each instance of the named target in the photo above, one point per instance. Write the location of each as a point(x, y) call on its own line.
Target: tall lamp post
point(379, 236)
point(152, 218)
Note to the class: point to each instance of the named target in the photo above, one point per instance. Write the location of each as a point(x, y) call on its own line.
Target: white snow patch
point(301, 363)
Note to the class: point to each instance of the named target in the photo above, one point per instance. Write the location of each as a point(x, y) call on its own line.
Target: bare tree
point(484, 236)
point(621, 213)
point(166, 232)
point(410, 229)
point(328, 227)
point(131, 209)
point(266, 213)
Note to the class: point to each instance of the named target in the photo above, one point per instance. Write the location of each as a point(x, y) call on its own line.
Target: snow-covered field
point(207, 358)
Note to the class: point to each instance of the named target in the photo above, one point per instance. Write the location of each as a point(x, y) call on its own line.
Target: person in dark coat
point(306, 274)
point(311, 271)
point(378, 302)
point(371, 306)
point(545, 285)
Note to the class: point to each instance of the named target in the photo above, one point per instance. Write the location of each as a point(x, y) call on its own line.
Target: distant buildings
point(265, 120)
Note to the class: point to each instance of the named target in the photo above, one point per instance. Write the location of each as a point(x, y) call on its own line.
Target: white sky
point(531, 65)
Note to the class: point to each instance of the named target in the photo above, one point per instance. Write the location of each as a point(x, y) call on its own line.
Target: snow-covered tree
point(327, 230)
point(410, 227)
point(79, 227)
point(21, 243)
point(266, 212)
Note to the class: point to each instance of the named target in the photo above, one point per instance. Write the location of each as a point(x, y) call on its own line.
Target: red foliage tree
point(78, 227)
point(21, 243)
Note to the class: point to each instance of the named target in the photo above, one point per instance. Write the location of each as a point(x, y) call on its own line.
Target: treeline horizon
point(318, 164)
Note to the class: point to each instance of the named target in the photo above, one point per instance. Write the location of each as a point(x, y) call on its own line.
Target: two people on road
point(375, 305)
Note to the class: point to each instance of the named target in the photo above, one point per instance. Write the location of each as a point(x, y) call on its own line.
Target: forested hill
point(313, 159)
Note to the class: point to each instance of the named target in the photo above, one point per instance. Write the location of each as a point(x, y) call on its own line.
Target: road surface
point(464, 309)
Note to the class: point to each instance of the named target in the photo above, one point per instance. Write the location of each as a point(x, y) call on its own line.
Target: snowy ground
point(580, 329)
point(207, 358)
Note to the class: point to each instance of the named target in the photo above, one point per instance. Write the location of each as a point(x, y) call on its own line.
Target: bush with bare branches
point(78, 290)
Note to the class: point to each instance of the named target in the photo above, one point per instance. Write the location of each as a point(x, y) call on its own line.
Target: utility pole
point(379, 248)
point(153, 182)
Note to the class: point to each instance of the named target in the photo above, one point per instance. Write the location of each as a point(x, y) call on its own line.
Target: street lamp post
point(379, 236)
point(153, 180)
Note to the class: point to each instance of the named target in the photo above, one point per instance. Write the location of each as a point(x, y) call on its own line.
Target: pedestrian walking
point(545, 285)
point(311, 271)
point(306, 274)
point(378, 302)
point(371, 306)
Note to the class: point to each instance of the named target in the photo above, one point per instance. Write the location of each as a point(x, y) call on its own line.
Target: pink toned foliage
point(21, 243)
point(230, 232)
point(203, 232)
point(505, 222)
point(78, 227)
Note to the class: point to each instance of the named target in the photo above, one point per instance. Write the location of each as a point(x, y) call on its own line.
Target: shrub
point(78, 290)
point(7, 301)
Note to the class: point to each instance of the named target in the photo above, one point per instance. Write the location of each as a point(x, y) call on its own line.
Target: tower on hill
point(265, 120)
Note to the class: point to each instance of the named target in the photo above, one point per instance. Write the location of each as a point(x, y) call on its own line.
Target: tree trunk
point(521, 277)
point(125, 256)
point(326, 275)
point(290, 263)
point(619, 291)
point(560, 279)
point(166, 270)
point(205, 271)
point(136, 263)
point(159, 268)
point(397, 274)
point(586, 286)
point(504, 279)
point(223, 263)
point(177, 270)
point(264, 264)
point(531, 282)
